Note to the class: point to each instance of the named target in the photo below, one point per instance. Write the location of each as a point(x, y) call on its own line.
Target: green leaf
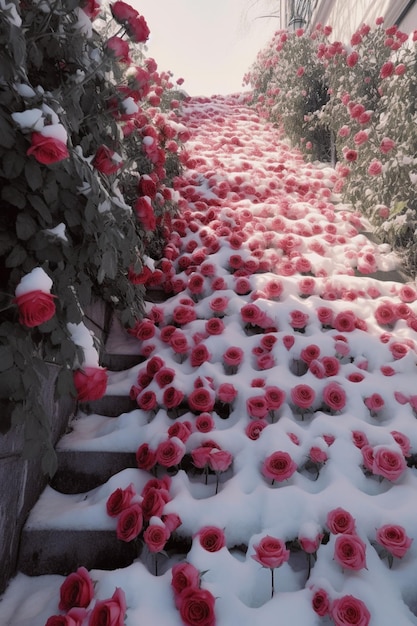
point(33, 173)
point(6, 358)
point(6, 409)
point(16, 257)
point(7, 132)
point(40, 206)
point(13, 196)
point(26, 226)
point(9, 382)
point(13, 164)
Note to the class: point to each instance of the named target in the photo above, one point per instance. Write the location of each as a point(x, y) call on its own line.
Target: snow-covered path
point(284, 357)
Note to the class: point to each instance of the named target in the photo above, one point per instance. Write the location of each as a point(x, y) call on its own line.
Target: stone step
point(82, 470)
point(58, 551)
point(120, 362)
point(112, 406)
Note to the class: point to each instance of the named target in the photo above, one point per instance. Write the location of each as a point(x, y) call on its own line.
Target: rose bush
point(69, 183)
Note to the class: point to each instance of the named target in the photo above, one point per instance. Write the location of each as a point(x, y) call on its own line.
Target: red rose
point(153, 502)
point(77, 590)
point(147, 186)
point(350, 611)
point(184, 575)
point(90, 383)
point(211, 538)
point(122, 11)
point(359, 439)
point(233, 356)
point(274, 397)
point(145, 457)
point(109, 612)
point(183, 314)
point(146, 400)
point(120, 48)
point(170, 452)
point(201, 400)
point(271, 552)
point(172, 397)
point(35, 307)
point(214, 326)
point(130, 522)
point(119, 500)
point(155, 537)
point(279, 466)
point(199, 355)
point(165, 376)
point(178, 342)
point(196, 607)
point(181, 430)
point(46, 149)
point(74, 617)
point(349, 551)
point(394, 539)
point(107, 161)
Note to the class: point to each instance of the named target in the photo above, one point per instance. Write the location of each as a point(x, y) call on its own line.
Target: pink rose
point(317, 455)
point(309, 353)
point(183, 315)
point(220, 460)
point(226, 393)
point(155, 537)
point(350, 611)
point(331, 365)
point(345, 321)
point(196, 607)
point(254, 429)
point(119, 500)
point(394, 539)
point(298, 319)
point(211, 538)
point(279, 466)
point(130, 522)
point(184, 575)
point(233, 356)
point(47, 150)
point(387, 69)
point(368, 457)
point(403, 441)
point(200, 456)
point(334, 396)
point(288, 341)
point(109, 612)
point(388, 463)
point(35, 307)
point(271, 552)
point(321, 602)
point(310, 545)
point(214, 326)
point(375, 168)
point(374, 402)
point(204, 423)
point(178, 342)
point(257, 406)
point(274, 397)
point(349, 551)
point(77, 590)
point(303, 396)
point(252, 314)
point(359, 439)
point(90, 383)
point(340, 521)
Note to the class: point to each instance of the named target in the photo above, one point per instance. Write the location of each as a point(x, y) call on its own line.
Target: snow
point(263, 180)
point(83, 337)
point(57, 131)
point(37, 279)
point(30, 119)
point(58, 231)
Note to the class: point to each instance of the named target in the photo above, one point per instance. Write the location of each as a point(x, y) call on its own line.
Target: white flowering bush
point(367, 108)
point(90, 140)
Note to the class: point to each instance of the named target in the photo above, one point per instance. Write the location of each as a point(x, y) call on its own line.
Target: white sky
point(209, 43)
